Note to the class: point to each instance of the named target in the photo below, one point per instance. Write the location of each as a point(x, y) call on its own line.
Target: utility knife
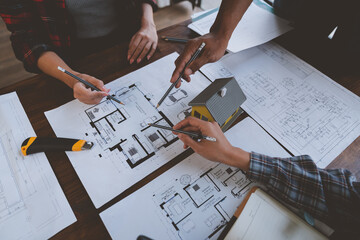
point(48, 144)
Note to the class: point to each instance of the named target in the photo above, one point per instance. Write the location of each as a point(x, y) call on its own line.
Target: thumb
point(98, 83)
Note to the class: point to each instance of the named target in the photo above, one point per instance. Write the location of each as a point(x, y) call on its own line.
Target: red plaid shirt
point(37, 26)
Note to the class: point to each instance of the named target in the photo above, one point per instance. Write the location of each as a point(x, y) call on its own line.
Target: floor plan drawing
point(204, 203)
point(193, 200)
point(30, 196)
point(303, 109)
point(125, 148)
point(107, 119)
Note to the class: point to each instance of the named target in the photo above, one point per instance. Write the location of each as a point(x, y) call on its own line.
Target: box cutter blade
point(49, 144)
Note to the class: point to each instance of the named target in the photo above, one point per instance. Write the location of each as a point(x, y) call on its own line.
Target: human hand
point(87, 95)
point(143, 43)
point(214, 49)
point(219, 151)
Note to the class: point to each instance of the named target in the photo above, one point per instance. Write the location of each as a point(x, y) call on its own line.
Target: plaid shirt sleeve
point(25, 37)
point(331, 195)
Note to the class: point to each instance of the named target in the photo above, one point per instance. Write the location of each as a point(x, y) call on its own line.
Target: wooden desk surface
point(42, 93)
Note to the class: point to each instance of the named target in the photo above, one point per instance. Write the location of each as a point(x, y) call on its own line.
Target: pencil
point(196, 54)
point(191, 134)
point(172, 39)
point(88, 84)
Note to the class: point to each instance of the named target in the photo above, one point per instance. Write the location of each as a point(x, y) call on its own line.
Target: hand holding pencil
point(219, 151)
point(98, 93)
point(87, 95)
point(178, 80)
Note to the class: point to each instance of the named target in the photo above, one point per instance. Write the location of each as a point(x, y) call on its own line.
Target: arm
point(143, 44)
point(230, 13)
point(38, 56)
point(330, 195)
point(25, 38)
point(48, 63)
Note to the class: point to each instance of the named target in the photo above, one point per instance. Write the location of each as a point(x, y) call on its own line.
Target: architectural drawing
point(299, 106)
point(195, 199)
point(125, 148)
point(176, 96)
point(11, 199)
point(32, 204)
point(205, 203)
point(109, 119)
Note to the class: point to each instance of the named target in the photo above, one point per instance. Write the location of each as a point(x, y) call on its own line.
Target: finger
point(96, 97)
point(178, 84)
point(152, 51)
point(191, 129)
point(189, 142)
point(87, 96)
point(196, 65)
point(135, 40)
point(145, 51)
point(188, 129)
point(190, 121)
point(98, 83)
point(181, 61)
point(138, 50)
point(186, 77)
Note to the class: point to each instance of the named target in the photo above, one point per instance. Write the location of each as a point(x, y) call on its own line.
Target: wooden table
point(42, 93)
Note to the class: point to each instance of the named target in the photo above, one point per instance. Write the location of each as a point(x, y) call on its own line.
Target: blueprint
point(307, 112)
point(193, 200)
point(32, 204)
point(257, 26)
point(126, 149)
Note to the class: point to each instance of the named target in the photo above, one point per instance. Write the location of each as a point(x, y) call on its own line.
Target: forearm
point(48, 63)
point(330, 195)
point(238, 158)
point(147, 15)
point(230, 13)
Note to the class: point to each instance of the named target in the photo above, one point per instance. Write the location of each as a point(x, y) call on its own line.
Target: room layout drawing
point(195, 199)
point(203, 205)
point(125, 148)
point(299, 106)
point(140, 143)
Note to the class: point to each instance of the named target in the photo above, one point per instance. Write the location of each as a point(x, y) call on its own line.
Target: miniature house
point(219, 102)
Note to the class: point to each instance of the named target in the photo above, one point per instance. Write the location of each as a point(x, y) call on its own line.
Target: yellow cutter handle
point(46, 144)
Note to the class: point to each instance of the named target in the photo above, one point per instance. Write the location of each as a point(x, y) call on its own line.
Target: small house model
point(219, 102)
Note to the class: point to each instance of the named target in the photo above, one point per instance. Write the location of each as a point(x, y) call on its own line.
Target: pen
point(182, 73)
point(171, 39)
point(191, 134)
point(88, 84)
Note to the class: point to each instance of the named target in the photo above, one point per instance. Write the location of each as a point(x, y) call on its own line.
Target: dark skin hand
point(230, 13)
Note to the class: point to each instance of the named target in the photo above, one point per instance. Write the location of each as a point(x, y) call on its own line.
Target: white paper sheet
point(306, 111)
point(265, 218)
point(32, 203)
point(257, 26)
point(126, 149)
point(192, 200)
